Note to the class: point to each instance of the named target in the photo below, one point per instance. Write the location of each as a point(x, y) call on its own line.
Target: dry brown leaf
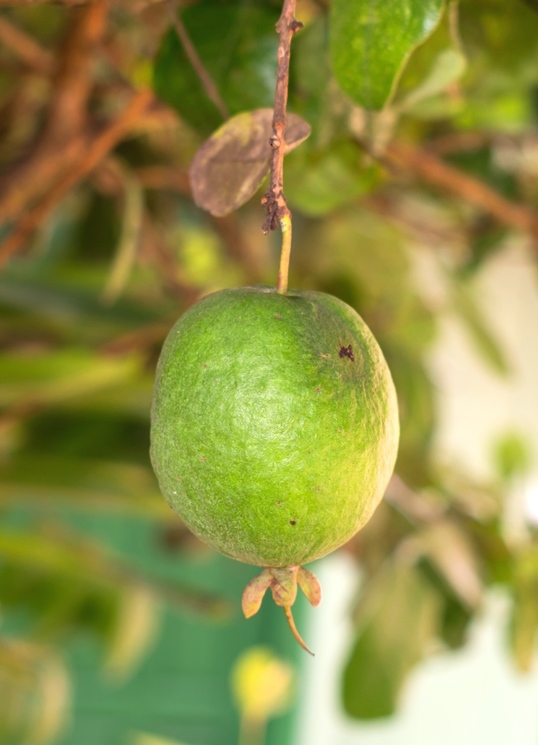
point(229, 167)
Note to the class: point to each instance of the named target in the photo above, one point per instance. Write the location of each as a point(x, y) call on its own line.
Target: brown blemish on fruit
point(346, 352)
point(204, 364)
point(277, 315)
point(318, 390)
point(203, 458)
point(293, 522)
point(279, 502)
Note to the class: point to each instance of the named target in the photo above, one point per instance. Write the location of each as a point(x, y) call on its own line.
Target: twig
point(278, 212)
point(197, 64)
point(433, 170)
point(90, 158)
point(25, 47)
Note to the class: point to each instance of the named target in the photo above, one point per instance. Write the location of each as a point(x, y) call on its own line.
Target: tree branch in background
point(436, 172)
point(197, 64)
point(62, 139)
point(28, 51)
point(90, 157)
point(73, 79)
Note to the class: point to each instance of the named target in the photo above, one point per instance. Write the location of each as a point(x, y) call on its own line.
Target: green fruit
point(274, 425)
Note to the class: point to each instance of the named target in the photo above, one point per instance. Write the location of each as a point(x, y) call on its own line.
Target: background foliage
point(423, 131)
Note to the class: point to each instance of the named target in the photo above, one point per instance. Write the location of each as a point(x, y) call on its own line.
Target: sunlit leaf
point(372, 39)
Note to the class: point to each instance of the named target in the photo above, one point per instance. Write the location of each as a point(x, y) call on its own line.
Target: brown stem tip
point(283, 584)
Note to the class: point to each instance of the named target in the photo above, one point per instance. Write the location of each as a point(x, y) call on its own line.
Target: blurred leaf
point(524, 622)
point(69, 556)
point(418, 413)
point(320, 181)
point(434, 65)
point(237, 43)
point(449, 67)
point(58, 375)
point(135, 626)
point(512, 455)
point(126, 249)
point(230, 166)
point(371, 40)
point(43, 481)
point(396, 621)
point(452, 555)
point(68, 303)
point(500, 36)
point(455, 621)
point(35, 687)
point(485, 342)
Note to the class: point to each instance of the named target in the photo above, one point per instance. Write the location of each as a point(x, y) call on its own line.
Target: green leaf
point(396, 620)
point(230, 166)
point(237, 44)
point(512, 455)
point(436, 64)
point(371, 41)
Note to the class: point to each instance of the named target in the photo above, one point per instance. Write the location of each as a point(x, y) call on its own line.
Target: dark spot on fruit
point(203, 458)
point(277, 315)
point(293, 522)
point(318, 390)
point(204, 364)
point(347, 352)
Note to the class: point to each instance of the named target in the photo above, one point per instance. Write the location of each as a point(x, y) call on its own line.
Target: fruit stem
point(293, 627)
point(285, 252)
point(277, 210)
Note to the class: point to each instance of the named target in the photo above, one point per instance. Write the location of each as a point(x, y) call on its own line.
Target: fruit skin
point(274, 424)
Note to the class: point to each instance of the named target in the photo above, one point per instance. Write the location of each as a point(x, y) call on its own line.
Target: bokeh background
point(116, 625)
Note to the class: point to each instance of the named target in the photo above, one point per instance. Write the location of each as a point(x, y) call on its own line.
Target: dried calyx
point(283, 584)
